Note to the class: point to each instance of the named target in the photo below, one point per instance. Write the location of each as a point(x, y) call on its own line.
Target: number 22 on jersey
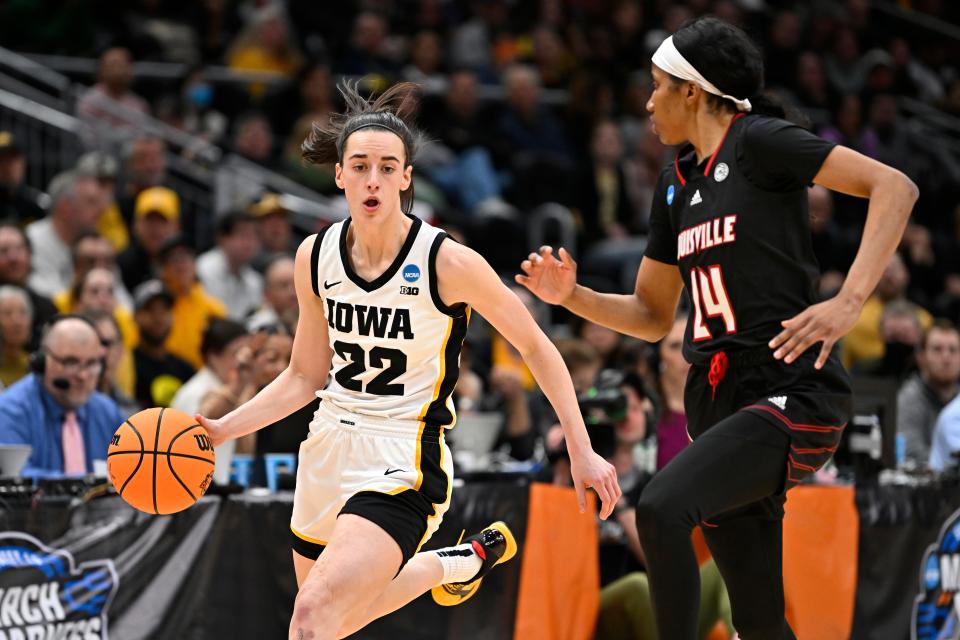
point(709, 297)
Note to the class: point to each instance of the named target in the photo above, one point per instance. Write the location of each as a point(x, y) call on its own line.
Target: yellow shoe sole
point(449, 595)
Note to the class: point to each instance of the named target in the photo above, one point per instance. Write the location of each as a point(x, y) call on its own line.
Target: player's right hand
point(549, 279)
point(214, 429)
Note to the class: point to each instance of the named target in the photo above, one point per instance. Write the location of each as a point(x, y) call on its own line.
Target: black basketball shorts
point(810, 406)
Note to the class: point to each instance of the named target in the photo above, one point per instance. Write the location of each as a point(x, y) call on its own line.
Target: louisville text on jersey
point(706, 235)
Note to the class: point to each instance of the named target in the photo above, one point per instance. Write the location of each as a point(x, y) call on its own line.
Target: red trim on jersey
point(790, 477)
point(810, 452)
point(796, 427)
point(720, 146)
point(676, 167)
point(805, 467)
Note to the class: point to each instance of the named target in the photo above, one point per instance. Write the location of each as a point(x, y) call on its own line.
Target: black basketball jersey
point(737, 226)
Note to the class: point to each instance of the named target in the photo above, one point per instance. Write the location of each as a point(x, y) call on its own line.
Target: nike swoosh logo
point(392, 471)
point(327, 285)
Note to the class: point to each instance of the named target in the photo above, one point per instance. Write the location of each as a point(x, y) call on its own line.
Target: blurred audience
point(925, 393)
point(15, 259)
point(274, 230)
point(19, 202)
point(117, 358)
point(266, 355)
point(672, 368)
point(265, 45)
point(225, 270)
point(103, 167)
point(945, 443)
point(367, 53)
point(90, 251)
point(156, 219)
point(159, 373)
point(100, 105)
point(901, 333)
point(603, 199)
point(223, 340)
point(831, 248)
point(254, 140)
point(864, 341)
point(563, 88)
point(144, 166)
point(76, 203)
point(279, 298)
point(526, 125)
point(16, 317)
point(193, 306)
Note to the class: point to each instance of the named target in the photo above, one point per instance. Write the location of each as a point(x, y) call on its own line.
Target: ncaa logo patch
point(411, 273)
point(671, 191)
point(721, 172)
point(936, 610)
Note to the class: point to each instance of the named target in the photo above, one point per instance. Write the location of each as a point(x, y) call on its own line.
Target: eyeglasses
point(73, 365)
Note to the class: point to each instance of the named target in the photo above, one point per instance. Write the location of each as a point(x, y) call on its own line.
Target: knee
point(655, 514)
point(314, 604)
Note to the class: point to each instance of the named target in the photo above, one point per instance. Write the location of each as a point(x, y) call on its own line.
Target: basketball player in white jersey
point(384, 305)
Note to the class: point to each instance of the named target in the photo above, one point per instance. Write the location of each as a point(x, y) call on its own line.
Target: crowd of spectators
point(525, 103)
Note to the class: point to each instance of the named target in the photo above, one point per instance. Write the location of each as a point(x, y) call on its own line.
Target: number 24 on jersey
point(710, 298)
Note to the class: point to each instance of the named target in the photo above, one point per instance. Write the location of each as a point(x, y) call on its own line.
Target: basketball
point(160, 461)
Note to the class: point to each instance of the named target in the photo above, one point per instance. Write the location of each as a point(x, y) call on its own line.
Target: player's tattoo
point(301, 636)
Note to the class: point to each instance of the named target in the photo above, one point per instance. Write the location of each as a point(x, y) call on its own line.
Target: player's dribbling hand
point(590, 471)
point(551, 280)
point(826, 322)
point(214, 429)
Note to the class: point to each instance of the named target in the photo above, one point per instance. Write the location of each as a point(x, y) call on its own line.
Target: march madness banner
point(936, 613)
point(45, 594)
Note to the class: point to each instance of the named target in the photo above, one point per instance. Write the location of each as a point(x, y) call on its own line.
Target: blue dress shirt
point(946, 436)
point(30, 415)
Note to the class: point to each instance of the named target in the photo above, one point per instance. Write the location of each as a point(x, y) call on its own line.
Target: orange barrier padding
point(559, 593)
point(820, 534)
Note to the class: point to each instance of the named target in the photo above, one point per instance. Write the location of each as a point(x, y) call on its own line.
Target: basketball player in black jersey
point(766, 398)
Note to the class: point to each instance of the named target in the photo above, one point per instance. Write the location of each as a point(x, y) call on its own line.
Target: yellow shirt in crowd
point(191, 313)
point(864, 341)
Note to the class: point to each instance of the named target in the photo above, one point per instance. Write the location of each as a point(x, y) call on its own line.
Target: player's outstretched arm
point(892, 196)
point(647, 313)
point(296, 385)
point(464, 276)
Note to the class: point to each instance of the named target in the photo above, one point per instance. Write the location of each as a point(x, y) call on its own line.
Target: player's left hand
point(590, 471)
point(826, 322)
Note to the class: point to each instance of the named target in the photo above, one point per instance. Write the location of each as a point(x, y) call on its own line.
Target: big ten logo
point(204, 443)
point(116, 439)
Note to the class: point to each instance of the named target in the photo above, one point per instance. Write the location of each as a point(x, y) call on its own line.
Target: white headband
point(668, 58)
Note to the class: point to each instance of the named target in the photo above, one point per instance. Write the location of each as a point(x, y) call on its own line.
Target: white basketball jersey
point(396, 345)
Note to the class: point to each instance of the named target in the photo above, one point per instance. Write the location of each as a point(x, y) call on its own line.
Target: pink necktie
point(74, 460)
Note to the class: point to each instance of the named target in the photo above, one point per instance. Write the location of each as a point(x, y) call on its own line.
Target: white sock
point(460, 563)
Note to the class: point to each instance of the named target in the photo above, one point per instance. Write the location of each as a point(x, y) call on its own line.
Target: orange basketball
point(160, 461)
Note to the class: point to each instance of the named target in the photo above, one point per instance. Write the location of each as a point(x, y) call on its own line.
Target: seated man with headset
point(55, 409)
